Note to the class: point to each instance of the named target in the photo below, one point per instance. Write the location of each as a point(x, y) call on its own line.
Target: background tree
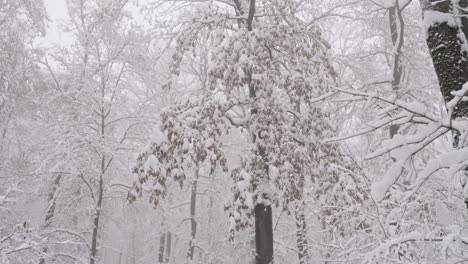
point(21, 137)
point(98, 121)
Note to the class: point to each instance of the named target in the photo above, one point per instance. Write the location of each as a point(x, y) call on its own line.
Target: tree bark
point(52, 201)
point(253, 249)
point(445, 40)
point(301, 235)
point(263, 213)
point(193, 223)
point(94, 241)
point(450, 60)
point(52, 198)
point(162, 244)
point(168, 246)
point(263, 234)
point(133, 248)
point(397, 36)
point(463, 4)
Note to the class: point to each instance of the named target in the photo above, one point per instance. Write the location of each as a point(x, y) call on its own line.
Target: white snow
point(152, 164)
point(435, 17)
point(158, 136)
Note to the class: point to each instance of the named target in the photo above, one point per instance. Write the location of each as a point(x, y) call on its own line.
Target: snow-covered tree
point(97, 126)
point(260, 131)
point(266, 77)
point(21, 88)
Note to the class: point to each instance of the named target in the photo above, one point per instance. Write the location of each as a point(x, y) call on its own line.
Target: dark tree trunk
point(463, 4)
point(104, 165)
point(263, 234)
point(450, 59)
point(263, 217)
point(263, 213)
point(301, 235)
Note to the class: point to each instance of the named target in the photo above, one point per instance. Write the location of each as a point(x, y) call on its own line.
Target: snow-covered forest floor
point(233, 131)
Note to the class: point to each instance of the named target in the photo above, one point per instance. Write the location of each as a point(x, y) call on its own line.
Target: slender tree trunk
point(75, 218)
point(120, 258)
point(4, 129)
point(301, 234)
point(94, 241)
point(165, 242)
point(299, 208)
point(162, 244)
point(168, 246)
point(397, 29)
point(104, 165)
point(162, 240)
point(133, 248)
point(52, 200)
point(253, 247)
point(193, 223)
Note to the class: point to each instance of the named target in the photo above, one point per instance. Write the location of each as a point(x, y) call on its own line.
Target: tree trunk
point(299, 214)
point(133, 248)
point(450, 60)
point(397, 36)
point(263, 213)
point(104, 166)
point(445, 40)
point(301, 235)
point(94, 242)
point(120, 258)
point(193, 232)
point(463, 4)
point(162, 243)
point(168, 246)
point(52, 200)
point(253, 249)
point(264, 234)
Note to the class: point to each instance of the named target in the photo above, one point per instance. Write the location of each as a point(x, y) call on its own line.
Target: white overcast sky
point(57, 13)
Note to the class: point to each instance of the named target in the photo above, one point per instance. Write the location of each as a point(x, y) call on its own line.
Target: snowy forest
point(233, 131)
